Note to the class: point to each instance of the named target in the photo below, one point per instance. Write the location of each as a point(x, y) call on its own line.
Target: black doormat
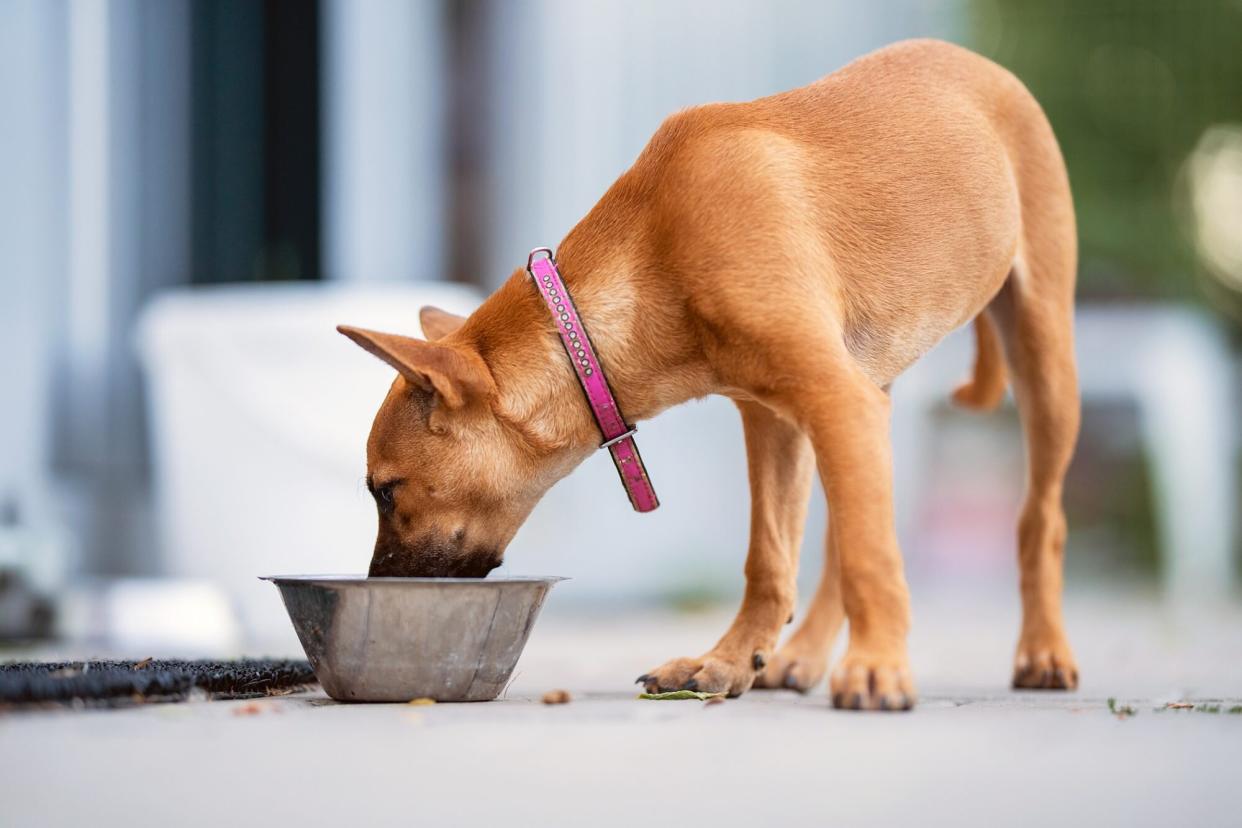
point(119, 683)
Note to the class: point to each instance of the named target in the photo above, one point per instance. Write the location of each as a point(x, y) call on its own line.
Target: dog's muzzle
point(431, 559)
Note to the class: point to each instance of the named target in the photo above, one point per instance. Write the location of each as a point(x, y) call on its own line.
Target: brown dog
point(795, 253)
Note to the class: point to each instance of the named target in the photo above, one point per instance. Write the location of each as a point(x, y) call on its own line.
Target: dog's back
point(902, 181)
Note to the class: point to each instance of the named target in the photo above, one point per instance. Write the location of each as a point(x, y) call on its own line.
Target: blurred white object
point(1214, 174)
point(139, 617)
point(173, 616)
point(1175, 366)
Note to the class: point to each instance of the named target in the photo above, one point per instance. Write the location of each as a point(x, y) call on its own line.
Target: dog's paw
point(794, 667)
point(712, 673)
point(867, 680)
point(1045, 665)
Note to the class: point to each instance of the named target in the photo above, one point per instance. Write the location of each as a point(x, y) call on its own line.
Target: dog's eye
point(384, 497)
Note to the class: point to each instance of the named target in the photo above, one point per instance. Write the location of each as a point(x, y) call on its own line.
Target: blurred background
point(194, 192)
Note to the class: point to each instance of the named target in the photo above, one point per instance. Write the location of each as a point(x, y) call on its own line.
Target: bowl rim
point(356, 580)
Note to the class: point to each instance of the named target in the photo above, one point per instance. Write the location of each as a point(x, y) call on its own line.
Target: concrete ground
point(972, 753)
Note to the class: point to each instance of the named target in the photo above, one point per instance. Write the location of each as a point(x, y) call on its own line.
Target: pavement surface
point(971, 753)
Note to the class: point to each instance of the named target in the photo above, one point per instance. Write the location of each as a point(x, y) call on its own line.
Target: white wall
point(32, 209)
point(384, 205)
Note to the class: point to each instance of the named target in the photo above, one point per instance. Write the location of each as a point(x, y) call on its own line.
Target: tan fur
point(986, 387)
point(795, 253)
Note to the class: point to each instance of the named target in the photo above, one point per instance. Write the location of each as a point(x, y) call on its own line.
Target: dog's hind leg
point(1034, 314)
point(781, 467)
point(801, 662)
point(1036, 324)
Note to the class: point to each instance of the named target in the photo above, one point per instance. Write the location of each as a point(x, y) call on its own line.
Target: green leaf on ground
point(680, 695)
point(1121, 711)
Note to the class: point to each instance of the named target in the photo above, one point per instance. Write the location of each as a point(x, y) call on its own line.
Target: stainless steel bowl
point(397, 639)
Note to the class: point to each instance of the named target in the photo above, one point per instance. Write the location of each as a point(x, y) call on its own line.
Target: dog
point(794, 253)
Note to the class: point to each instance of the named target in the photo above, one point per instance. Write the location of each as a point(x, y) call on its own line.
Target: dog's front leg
point(781, 465)
point(849, 425)
point(802, 661)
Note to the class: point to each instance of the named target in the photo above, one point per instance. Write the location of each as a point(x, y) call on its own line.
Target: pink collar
point(618, 436)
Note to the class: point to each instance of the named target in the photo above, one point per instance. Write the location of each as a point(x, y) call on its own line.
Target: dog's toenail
point(884, 705)
point(789, 620)
point(838, 700)
point(643, 679)
point(692, 684)
point(790, 681)
point(1058, 678)
point(757, 661)
point(856, 701)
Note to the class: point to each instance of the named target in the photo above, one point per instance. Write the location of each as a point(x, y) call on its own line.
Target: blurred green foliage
point(1130, 87)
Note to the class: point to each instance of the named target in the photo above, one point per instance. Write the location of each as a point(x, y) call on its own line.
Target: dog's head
point(452, 480)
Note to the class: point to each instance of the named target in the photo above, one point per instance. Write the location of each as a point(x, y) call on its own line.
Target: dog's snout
point(431, 558)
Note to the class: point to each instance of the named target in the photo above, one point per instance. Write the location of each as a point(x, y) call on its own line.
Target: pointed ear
point(438, 323)
point(458, 376)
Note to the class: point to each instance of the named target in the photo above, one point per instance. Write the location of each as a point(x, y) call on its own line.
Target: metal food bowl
point(397, 639)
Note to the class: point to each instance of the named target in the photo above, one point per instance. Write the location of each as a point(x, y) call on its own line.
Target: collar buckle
point(622, 436)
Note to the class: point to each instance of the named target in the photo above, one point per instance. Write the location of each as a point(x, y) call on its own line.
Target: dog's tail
point(985, 389)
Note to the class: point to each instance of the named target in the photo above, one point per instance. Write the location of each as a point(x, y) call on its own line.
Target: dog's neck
point(538, 391)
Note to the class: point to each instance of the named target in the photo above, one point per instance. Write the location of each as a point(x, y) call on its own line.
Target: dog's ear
point(456, 375)
point(438, 323)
